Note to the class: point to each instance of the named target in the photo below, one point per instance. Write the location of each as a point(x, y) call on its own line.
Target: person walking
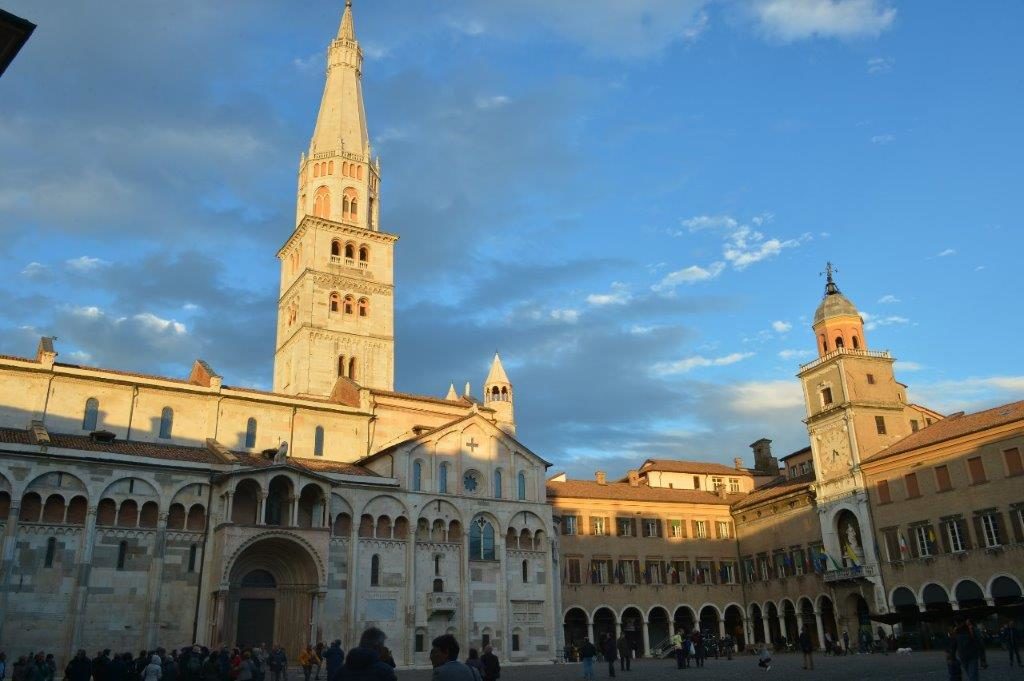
point(625, 652)
point(807, 648)
point(610, 652)
point(244, 671)
point(79, 669)
point(491, 664)
point(677, 648)
point(846, 642)
point(307, 659)
point(278, 664)
point(697, 639)
point(587, 653)
point(1011, 641)
point(319, 650)
point(967, 646)
point(334, 657)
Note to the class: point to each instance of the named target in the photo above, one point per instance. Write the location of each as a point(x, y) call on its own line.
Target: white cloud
point(759, 396)
point(34, 270)
point(746, 247)
point(470, 27)
point(569, 316)
point(781, 327)
point(699, 222)
point(89, 312)
point(79, 357)
point(492, 102)
point(947, 252)
point(151, 322)
point(872, 322)
point(969, 394)
point(795, 354)
point(314, 63)
point(682, 366)
point(85, 263)
point(888, 298)
point(883, 139)
point(619, 295)
point(689, 275)
point(878, 65)
point(902, 365)
point(789, 20)
point(640, 330)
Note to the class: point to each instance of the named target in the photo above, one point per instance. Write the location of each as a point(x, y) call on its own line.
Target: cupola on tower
point(335, 306)
point(498, 396)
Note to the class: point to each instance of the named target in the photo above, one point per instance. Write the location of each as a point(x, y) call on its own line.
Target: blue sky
point(631, 200)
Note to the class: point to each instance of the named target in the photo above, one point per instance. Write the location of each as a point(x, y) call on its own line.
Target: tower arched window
point(526, 571)
point(442, 478)
point(495, 394)
point(335, 302)
point(369, 212)
point(92, 414)
point(353, 209)
point(344, 206)
point(481, 540)
point(364, 307)
point(521, 485)
point(250, 433)
point(352, 368)
point(417, 476)
point(438, 586)
point(335, 247)
point(504, 394)
point(349, 304)
point(322, 202)
point(497, 484)
point(166, 423)
point(359, 172)
point(350, 251)
point(318, 441)
point(375, 570)
point(330, 167)
point(839, 342)
point(341, 365)
point(316, 170)
point(856, 343)
point(364, 254)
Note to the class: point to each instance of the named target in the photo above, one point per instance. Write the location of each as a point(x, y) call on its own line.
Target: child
point(765, 658)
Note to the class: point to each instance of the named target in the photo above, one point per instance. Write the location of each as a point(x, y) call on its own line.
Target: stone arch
point(132, 487)
point(735, 620)
point(806, 619)
point(1002, 585)
point(659, 626)
point(968, 593)
point(384, 504)
point(195, 521)
point(312, 505)
point(684, 619)
point(53, 509)
point(575, 625)
point(632, 620)
point(280, 495)
point(245, 504)
point(827, 609)
point(932, 587)
point(709, 616)
point(756, 622)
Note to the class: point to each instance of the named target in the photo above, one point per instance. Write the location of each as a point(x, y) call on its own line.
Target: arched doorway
point(734, 626)
point(828, 618)
point(774, 628)
point(683, 620)
point(969, 595)
point(604, 624)
point(858, 623)
point(789, 617)
point(272, 585)
point(1006, 591)
point(808, 622)
point(658, 628)
point(633, 628)
point(757, 623)
point(938, 616)
point(575, 627)
point(709, 621)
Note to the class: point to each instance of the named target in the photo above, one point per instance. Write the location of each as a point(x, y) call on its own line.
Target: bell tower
point(335, 304)
point(498, 396)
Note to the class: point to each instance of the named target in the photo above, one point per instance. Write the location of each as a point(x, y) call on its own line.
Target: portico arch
point(272, 586)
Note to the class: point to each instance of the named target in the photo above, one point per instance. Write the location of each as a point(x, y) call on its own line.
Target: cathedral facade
point(140, 511)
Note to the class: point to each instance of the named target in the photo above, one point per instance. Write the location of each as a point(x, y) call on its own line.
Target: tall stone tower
point(335, 306)
point(498, 396)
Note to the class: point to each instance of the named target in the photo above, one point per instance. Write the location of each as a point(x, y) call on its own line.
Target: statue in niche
point(282, 453)
point(851, 537)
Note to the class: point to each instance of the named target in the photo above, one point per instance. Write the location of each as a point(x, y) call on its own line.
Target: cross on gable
point(472, 444)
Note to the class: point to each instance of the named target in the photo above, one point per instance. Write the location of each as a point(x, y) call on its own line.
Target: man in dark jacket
point(334, 657)
point(625, 652)
point(968, 649)
point(99, 666)
point(79, 669)
point(807, 648)
point(363, 662)
point(492, 667)
point(610, 652)
point(117, 670)
point(1011, 640)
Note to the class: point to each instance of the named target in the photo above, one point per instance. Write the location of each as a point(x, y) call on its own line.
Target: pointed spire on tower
point(497, 373)
point(452, 395)
point(830, 286)
point(347, 30)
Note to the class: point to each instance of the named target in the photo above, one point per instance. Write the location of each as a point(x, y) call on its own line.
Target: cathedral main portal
point(272, 595)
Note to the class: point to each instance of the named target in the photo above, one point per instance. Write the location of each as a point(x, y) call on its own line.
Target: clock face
point(835, 452)
point(470, 483)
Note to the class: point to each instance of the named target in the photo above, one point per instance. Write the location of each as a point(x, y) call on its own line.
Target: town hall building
point(140, 511)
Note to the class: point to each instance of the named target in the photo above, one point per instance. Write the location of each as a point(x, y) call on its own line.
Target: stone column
point(83, 566)
point(821, 629)
point(151, 632)
point(7, 564)
point(647, 637)
point(228, 505)
point(721, 627)
point(261, 509)
point(294, 511)
point(767, 629)
point(590, 629)
point(316, 616)
point(504, 612)
point(220, 625)
point(782, 628)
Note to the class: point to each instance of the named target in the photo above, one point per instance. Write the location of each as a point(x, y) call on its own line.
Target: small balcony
point(851, 574)
point(442, 601)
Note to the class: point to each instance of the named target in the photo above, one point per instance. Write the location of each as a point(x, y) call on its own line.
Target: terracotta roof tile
point(621, 491)
point(779, 487)
point(122, 373)
point(955, 426)
point(699, 467)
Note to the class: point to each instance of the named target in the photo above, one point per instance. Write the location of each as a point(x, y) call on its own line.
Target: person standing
point(807, 648)
point(278, 664)
point(363, 663)
point(625, 652)
point(697, 639)
point(154, 670)
point(79, 669)
point(846, 642)
point(444, 656)
point(334, 657)
point(610, 651)
point(588, 652)
point(117, 670)
point(967, 649)
point(491, 664)
point(307, 658)
point(677, 648)
point(1011, 640)
point(245, 667)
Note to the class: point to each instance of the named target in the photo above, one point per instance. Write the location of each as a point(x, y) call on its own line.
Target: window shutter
point(979, 531)
point(944, 530)
point(912, 542)
point(694, 528)
point(1001, 529)
point(682, 529)
point(1018, 531)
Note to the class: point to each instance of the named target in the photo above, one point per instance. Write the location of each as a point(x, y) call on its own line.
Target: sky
point(631, 201)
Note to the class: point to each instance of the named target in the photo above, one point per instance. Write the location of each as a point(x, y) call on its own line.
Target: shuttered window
point(942, 481)
point(1013, 462)
point(884, 496)
point(976, 468)
point(913, 491)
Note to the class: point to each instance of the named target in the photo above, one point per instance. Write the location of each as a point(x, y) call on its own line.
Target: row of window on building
point(788, 562)
point(648, 527)
point(122, 555)
point(348, 304)
point(952, 534)
point(976, 474)
point(470, 483)
point(352, 170)
point(90, 422)
point(605, 571)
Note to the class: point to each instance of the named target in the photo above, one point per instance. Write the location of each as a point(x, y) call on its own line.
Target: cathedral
point(139, 511)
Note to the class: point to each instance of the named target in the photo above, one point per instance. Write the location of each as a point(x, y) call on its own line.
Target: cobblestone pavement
point(911, 667)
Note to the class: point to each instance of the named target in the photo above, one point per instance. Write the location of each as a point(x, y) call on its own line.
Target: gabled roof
point(698, 467)
point(623, 491)
point(955, 426)
point(805, 450)
point(775, 489)
point(433, 431)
